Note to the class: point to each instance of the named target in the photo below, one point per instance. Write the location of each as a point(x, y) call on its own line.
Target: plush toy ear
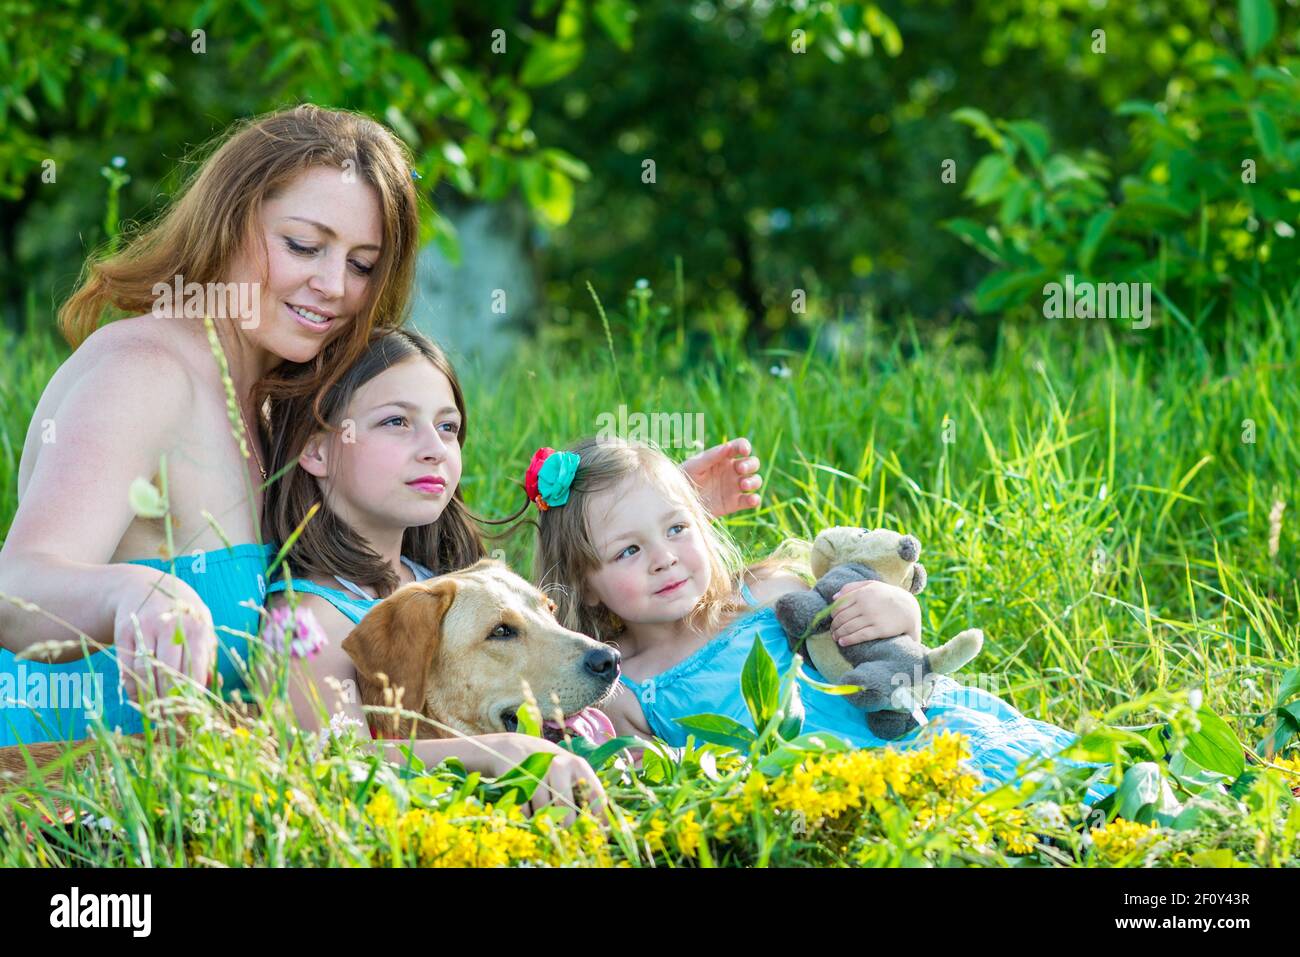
point(397, 639)
point(919, 578)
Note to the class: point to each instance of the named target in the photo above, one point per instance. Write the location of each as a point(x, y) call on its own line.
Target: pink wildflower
point(295, 631)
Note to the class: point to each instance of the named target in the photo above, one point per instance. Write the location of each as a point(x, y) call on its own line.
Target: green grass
point(1085, 497)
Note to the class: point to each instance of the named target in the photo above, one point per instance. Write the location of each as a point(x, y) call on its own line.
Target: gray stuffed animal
point(895, 674)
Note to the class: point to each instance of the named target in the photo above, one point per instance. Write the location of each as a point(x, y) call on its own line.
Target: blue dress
point(44, 702)
point(352, 603)
point(709, 682)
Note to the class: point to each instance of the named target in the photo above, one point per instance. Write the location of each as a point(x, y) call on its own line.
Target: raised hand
point(727, 476)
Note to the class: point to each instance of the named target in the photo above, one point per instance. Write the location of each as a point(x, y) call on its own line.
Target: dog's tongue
point(589, 723)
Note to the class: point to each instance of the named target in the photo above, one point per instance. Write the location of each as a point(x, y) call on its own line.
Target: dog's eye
point(501, 632)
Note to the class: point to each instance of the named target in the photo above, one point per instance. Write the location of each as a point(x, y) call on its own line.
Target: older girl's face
point(323, 234)
point(397, 461)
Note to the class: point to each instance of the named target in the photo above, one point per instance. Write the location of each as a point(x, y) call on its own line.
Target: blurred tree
point(144, 81)
point(79, 84)
point(779, 171)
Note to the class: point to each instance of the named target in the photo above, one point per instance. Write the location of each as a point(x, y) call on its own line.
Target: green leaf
point(1093, 234)
point(569, 24)
point(1194, 777)
point(719, 729)
point(793, 751)
point(1286, 728)
point(760, 684)
point(977, 235)
point(616, 18)
point(828, 688)
point(566, 163)
point(52, 89)
point(600, 755)
point(525, 776)
point(978, 120)
point(1258, 24)
point(146, 501)
point(530, 719)
point(1266, 132)
point(1061, 169)
point(1006, 287)
point(1140, 108)
point(1013, 203)
point(1032, 136)
point(548, 191)
point(792, 712)
point(200, 15)
point(24, 108)
point(880, 25)
point(1106, 744)
point(1290, 685)
point(255, 8)
point(1143, 793)
point(990, 179)
point(1215, 746)
point(549, 60)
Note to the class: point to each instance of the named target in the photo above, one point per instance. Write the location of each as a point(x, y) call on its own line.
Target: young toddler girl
point(630, 557)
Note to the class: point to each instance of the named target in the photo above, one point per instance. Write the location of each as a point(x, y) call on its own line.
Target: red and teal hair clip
point(549, 476)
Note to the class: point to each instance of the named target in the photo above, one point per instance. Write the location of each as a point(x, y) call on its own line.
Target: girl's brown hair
point(565, 553)
point(215, 214)
point(328, 545)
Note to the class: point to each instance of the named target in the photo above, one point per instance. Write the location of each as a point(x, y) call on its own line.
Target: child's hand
point(727, 477)
point(869, 610)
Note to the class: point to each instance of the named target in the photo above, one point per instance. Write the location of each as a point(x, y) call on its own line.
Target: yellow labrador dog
point(461, 648)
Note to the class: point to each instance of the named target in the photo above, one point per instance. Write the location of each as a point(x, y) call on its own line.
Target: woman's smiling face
point(323, 234)
point(397, 461)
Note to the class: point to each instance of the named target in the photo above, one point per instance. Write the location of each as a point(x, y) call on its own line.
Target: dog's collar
point(378, 733)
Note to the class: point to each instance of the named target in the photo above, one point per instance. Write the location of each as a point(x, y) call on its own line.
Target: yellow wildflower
point(688, 834)
point(1120, 840)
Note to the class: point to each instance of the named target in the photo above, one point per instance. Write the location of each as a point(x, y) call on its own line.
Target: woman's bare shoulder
point(137, 356)
point(121, 389)
point(147, 339)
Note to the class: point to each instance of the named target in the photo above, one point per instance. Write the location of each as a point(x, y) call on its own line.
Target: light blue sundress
point(353, 603)
point(709, 682)
point(45, 702)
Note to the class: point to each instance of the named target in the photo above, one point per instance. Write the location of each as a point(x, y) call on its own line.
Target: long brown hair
point(328, 545)
point(201, 233)
point(565, 553)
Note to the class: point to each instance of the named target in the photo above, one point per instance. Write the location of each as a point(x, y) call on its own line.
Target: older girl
point(383, 466)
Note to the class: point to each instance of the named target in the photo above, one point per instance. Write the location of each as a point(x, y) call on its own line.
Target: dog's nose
point(909, 549)
point(601, 662)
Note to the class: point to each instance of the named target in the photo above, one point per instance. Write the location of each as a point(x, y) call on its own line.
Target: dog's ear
point(398, 639)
